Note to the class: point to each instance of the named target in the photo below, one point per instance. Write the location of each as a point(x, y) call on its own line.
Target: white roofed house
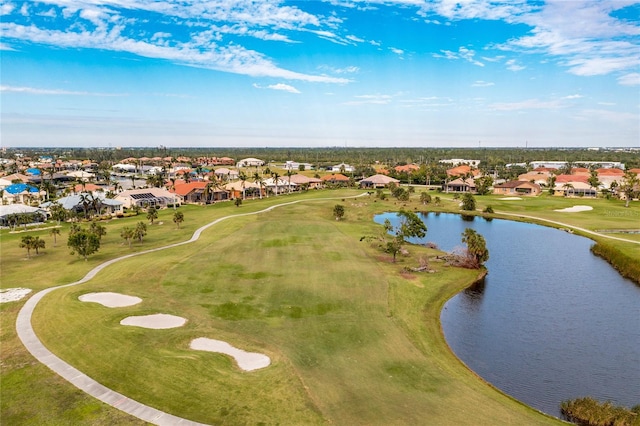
point(250, 162)
point(343, 168)
point(226, 174)
point(281, 185)
point(87, 203)
point(147, 197)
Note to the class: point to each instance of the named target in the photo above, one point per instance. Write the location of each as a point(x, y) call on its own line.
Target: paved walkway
point(85, 383)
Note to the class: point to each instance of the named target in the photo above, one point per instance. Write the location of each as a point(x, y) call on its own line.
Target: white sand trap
point(575, 209)
point(110, 300)
point(510, 199)
point(13, 294)
point(155, 321)
point(247, 361)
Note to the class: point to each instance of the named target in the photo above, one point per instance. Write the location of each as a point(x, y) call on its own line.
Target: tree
point(628, 186)
point(178, 218)
point(437, 201)
point(54, 232)
point(483, 185)
point(338, 211)
point(468, 202)
point(140, 231)
point(593, 180)
point(425, 198)
point(83, 242)
point(38, 244)
point(411, 226)
point(152, 214)
point(27, 243)
point(476, 246)
point(257, 178)
point(127, 234)
point(238, 202)
point(98, 229)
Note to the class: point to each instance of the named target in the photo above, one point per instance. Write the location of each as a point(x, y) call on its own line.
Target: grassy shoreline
point(412, 303)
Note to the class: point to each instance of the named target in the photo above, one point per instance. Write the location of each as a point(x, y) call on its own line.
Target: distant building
point(517, 187)
point(457, 161)
point(342, 168)
point(250, 162)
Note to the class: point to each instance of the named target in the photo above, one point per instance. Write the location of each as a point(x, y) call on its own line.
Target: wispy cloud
point(512, 65)
point(370, 99)
point(480, 83)
point(527, 104)
point(54, 92)
point(280, 86)
point(462, 53)
point(397, 51)
point(4, 46)
point(632, 79)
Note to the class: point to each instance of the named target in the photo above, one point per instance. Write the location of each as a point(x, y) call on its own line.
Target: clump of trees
point(468, 202)
point(475, 253)
point(394, 237)
point(32, 243)
point(83, 241)
point(589, 412)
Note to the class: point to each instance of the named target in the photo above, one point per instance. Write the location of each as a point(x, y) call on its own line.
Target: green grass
point(352, 340)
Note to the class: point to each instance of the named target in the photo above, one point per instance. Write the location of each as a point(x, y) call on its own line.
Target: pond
point(550, 322)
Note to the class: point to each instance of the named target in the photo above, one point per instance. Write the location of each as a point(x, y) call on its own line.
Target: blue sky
point(318, 73)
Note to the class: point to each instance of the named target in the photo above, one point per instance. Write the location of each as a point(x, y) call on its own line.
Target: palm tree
point(567, 186)
point(38, 243)
point(258, 179)
point(289, 174)
point(243, 178)
point(276, 178)
point(152, 214)
point(27, 243)
point(178, 218)
point(54, 232)
point(128, 234)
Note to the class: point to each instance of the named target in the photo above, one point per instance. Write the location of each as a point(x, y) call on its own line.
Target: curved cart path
point(85, 383)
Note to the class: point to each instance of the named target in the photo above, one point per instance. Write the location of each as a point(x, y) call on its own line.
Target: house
point(95, 201)
point(574, 189)
point(156, 197)
point(336, 179)
point(461, 185)
point(342, 168)
point(377, 181)
point(457, 161)
point(9, 214)
point(463, 170)
point(540, 178)
point(408, 168)
point(243, 189)
point(517, 187)
point(81, 175)
point(279, 186)
point(199, 193)
point(13, 178)
point(21, 193)
point(309, 182)
point(250, 162)
point(226, 174)
point(294, 165)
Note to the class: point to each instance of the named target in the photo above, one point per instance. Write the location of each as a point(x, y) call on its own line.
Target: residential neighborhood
point(83, 187)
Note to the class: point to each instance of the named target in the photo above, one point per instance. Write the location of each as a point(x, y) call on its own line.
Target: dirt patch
point(408, 275)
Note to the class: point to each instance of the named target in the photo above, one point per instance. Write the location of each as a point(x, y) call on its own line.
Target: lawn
point(352, 339)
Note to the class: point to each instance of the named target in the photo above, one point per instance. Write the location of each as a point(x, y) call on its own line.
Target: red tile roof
point(185, 188)
point(335, 177)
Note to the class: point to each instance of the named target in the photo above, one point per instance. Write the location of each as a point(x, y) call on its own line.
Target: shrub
point(488, 209)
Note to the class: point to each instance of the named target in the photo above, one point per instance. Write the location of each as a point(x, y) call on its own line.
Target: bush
point(588, 411)
point(488, 209)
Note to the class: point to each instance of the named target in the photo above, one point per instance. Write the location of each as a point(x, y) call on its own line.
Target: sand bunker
point(510, 199)
point(13, 294)
point(110, 300)
point(247, 361)
point(155, 321)
point(575, 209)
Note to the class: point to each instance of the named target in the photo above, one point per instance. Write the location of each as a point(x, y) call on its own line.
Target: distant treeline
point(490, 157)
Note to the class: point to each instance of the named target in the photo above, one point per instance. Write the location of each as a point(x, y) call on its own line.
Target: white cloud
point(55, 92)
point(370, 99)
point(632, 79)
point(354, 39)
point(480, 83)
point(397, 51)
point(462, 53)
point(4, 46)
point(283, 87)
point(576, 96)
point(513, 66)
point(583, 34)
point(527, 104)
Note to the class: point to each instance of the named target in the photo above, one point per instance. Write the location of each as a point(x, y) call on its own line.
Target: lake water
point(550, 322)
